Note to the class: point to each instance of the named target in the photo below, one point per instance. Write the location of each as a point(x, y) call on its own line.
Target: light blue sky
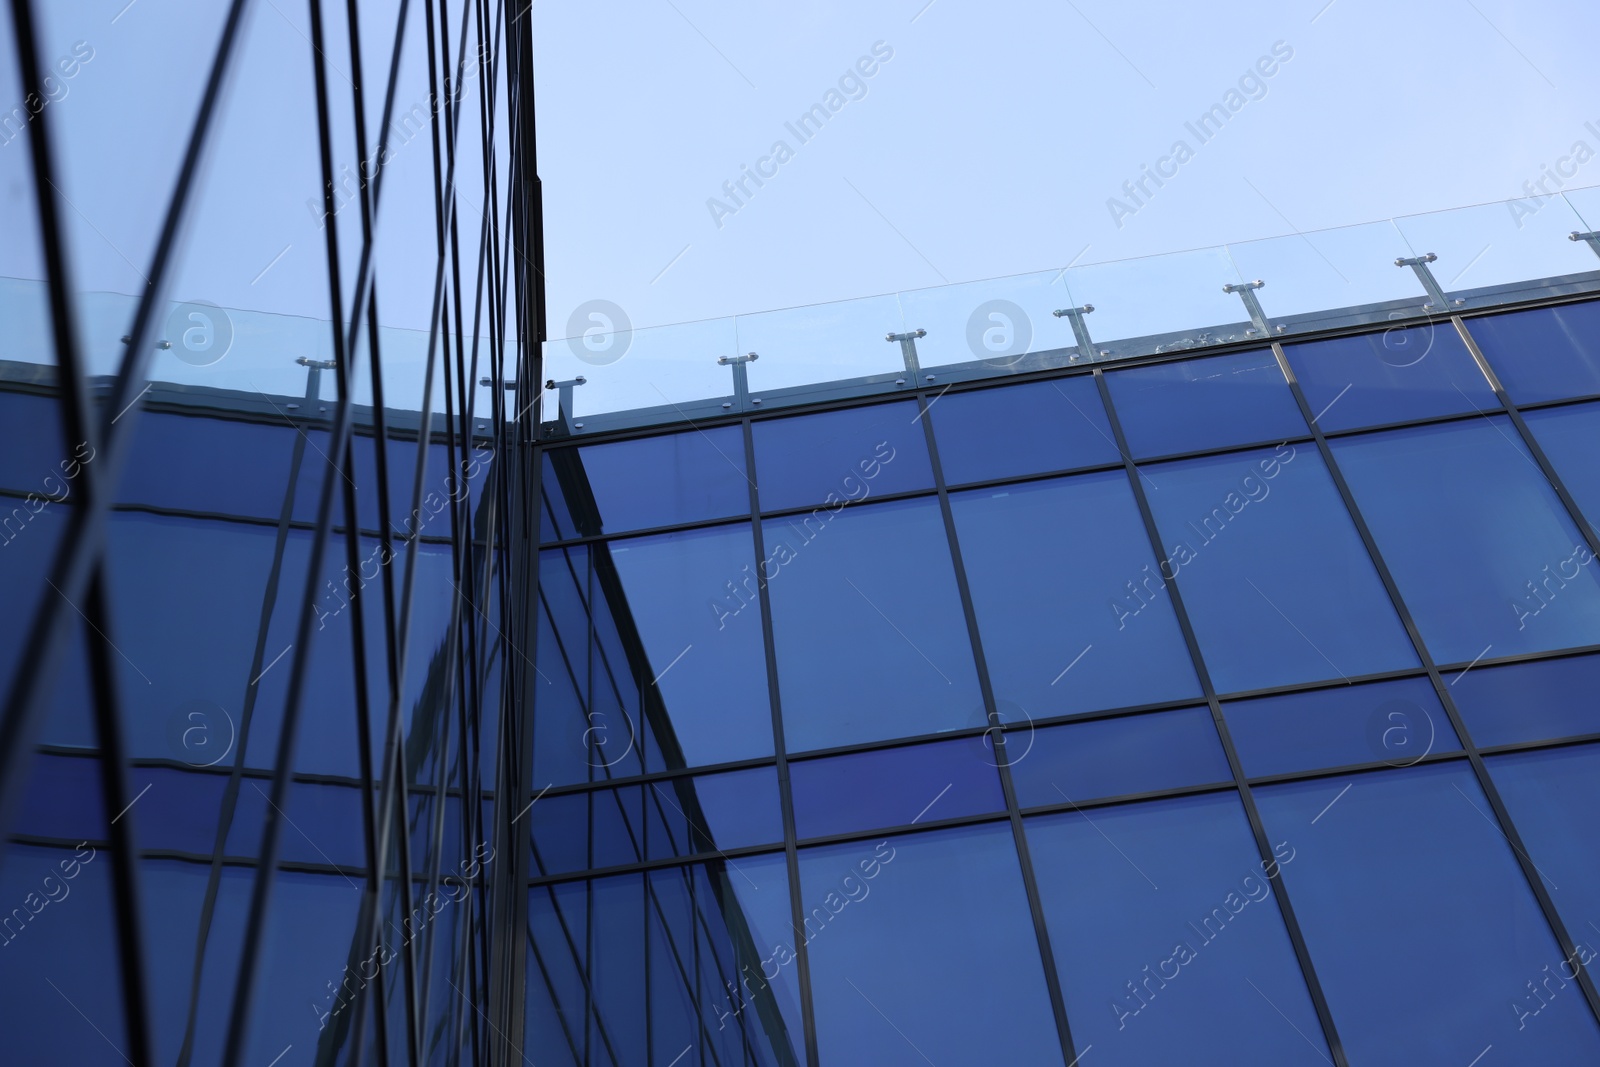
point(991, 141)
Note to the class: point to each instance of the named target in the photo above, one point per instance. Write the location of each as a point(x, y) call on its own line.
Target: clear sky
point(992, 140)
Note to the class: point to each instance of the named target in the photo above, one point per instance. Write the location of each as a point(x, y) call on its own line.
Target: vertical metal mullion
point(1480, 770)
point(1052, 976)
point(77, 426)
point(780, 751)
point(1247, 798)
point(1585, 527)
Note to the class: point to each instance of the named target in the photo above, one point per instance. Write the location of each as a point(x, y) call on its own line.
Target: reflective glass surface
point(1544, 354)
point(876, 912)
point(842, 456)
point(1567, 435)
point(1530, 701)
point(1022, 429)
point(895, 786)
point(1399, 374)
point(1451, 893)
point(1272, 570)
point(651, 481)
point(1396, 722)
point(1485, 555)
point(1115, 757)
point(1086, 625)
point(1164, 913)
point(870, 636)
point(1204, 403)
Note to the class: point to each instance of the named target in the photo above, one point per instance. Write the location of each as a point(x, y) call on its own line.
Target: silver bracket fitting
point(564, 401)
point(1436, 298)
point(741, 377)
point(1593, 237)
point(908, 352)
point(1247, 293)
point(1080, 331)
point(314, 378)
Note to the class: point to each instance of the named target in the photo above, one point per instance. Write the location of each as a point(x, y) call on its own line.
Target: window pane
point(1204, 403)
point(1409, 865)
point(1272, 570)
point(1479, 544)
point(1403, 373)
point(641, 667)
point(1397, 722)
point(1022, 429)
point(1568, 435)
point(1138, 902)
point(894, 786)
point(1115, 757)
point(871, 640)
point(1073, 614)
point(706, 690)
point(878, 913)
point(1530, 701)
point(637, 967)
point(1544, 354)
point(841, 455)
point(1552, 796)
point(652, 481)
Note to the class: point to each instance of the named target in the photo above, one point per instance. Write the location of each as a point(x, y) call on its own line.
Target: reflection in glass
point(1403, 373)
point(1543, 354)
point(841, 456)
point(1533, 701)
point(1204, 403)
point(1478, 542)
point(1409, 865)
point(895, 786)
point(1115, 757)
point(1022, 429)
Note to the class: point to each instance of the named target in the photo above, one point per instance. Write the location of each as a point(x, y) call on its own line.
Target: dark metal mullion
point(77, 426)
point(780, 752)
point(1247, 798)
point(272, 829)
point(1480, 771)
point(82, 544)
point(1585, 527)
point(1041, 930)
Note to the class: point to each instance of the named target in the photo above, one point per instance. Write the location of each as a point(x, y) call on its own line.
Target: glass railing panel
point(644, 368)
point(1498, 244)
point(818, 343)
point(1325, 269)
point(996, 321)
point(1176, 293)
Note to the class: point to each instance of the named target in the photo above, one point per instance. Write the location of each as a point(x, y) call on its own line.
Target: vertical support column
point(741, 379)
point(563, 421)
point(1080, 331)
point(1592, 237)
point(1247, 293)
point(908, 352)
point(1437, 300)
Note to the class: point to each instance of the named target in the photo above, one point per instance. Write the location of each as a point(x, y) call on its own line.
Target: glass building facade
point(379, 689)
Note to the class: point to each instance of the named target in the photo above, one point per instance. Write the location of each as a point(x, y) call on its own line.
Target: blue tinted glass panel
point(1022, 429)
point(1063, 629)
point(845, 455)
point(895, 786)
point(1409, 865)
point(878, 913)
point(1272, 571)
point(653, 481)
point(1113, 757)
point(1544, 354)
point(1405, 373)
point(688, 597)
point(870, 636)
point(1479, 544)
point(1552, 796)
point(1204, 403)
point(1568, 436)
point(1162, 912)
point(638, 967)
point(1530, 701)
point(238, 468)
point(1396, 722)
